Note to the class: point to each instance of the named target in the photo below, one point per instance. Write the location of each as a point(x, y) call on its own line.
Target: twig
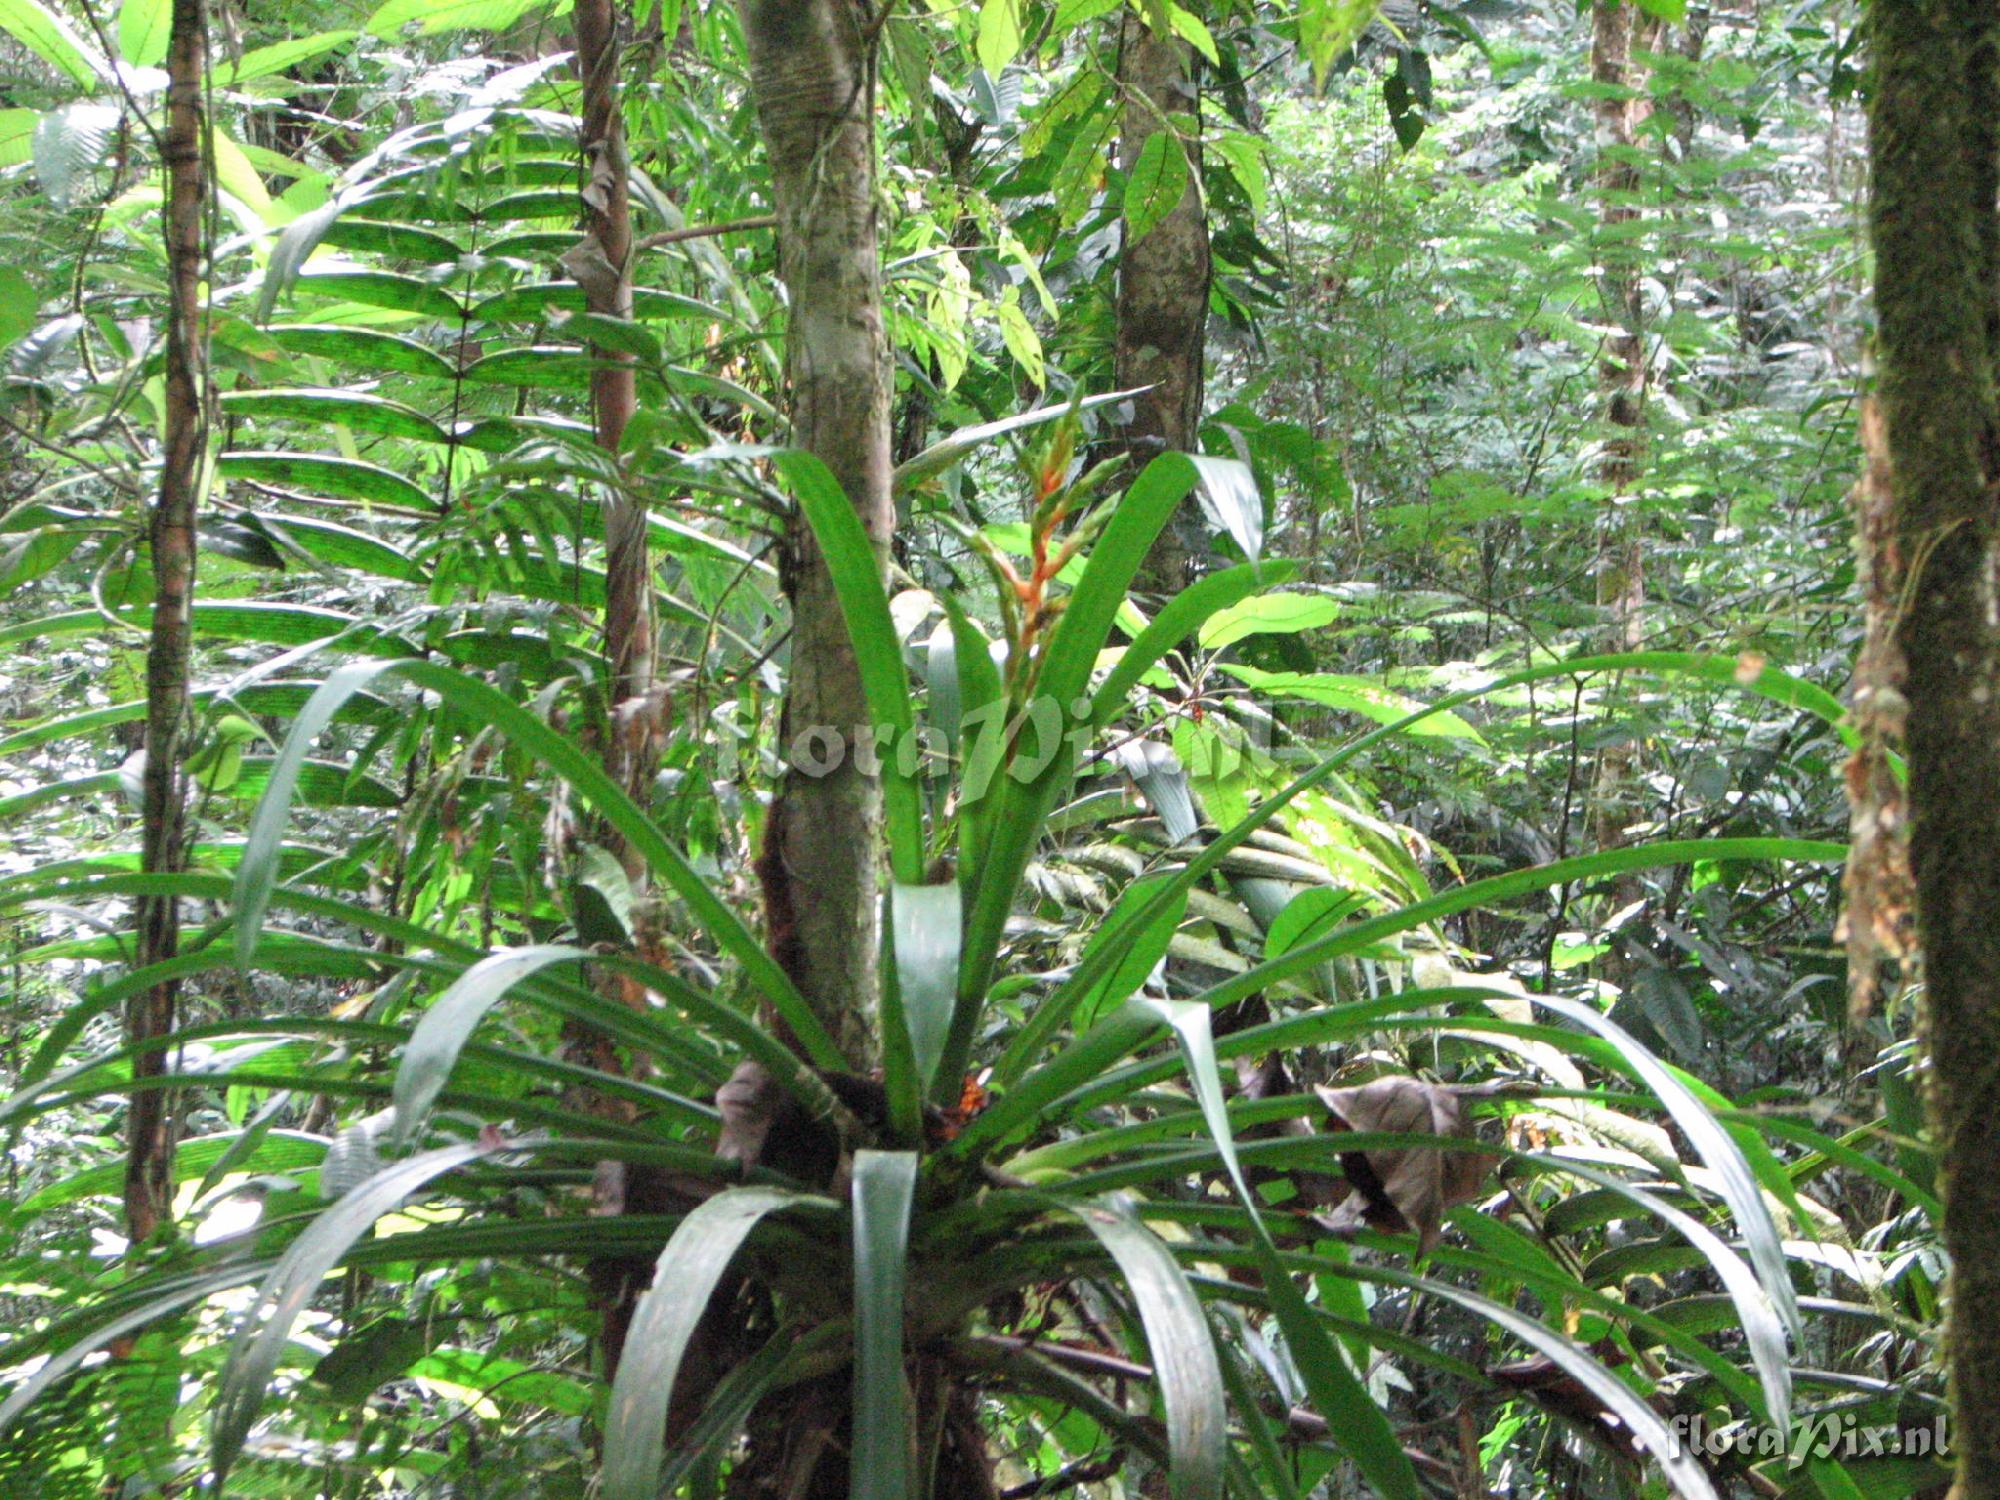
point(705, 231)
point(1094, 1471)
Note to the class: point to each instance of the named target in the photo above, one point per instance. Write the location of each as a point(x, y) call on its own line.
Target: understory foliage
point(1277, 1086)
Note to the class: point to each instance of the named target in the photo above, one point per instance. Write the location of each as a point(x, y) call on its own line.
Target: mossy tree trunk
point(1933, 117)
point(150, 1014)
point(1163, 278)
point(812, 78)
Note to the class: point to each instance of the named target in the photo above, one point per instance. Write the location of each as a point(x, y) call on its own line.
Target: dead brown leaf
point(1404, 1190)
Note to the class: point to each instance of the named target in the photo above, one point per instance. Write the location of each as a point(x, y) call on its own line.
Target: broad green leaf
point(1327, 28)
point(998, 41)
point(1194, 31)
point(1268, 614)
point(612, 335)
point(396, 241)
point(20, 305)
point(383, 289)
point(684, 1279)
point(320, 475)
point(1155, 185)
point(1355, 695)
point(547, 367)
point(883, 1190)
point(267, 62)
point(1310, 914)
point(433, 16)
point(1245, 157)
point(143, 29)
point(1071, 14)
point(1022, 342)
point(365, 349)
point(1672, 11)
point(17, 136)
point(266, 1328)
point(1136, 959)
point(50, 38)
point(235, 175)
point(1082, 170)
point(336, 408)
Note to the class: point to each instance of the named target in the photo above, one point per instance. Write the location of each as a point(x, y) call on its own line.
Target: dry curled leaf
point(1405, 1189)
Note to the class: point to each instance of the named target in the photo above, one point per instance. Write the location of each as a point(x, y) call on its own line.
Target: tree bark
point(149, 1016)
point(1620, 565)
point(812, 75)
point(1162, 283)
point(1933, 117)
point(812, 78)
point(602, 265)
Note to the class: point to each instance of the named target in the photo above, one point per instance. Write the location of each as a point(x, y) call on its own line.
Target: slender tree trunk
point(1162, 282)
point(812, 77)
point(601, 263)
point(150, 1016)
point(1621, 575)
point(1933, 118)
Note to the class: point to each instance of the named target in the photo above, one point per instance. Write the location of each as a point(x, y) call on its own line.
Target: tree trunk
point(1933, 116)
point(601, 263)
point(150, 1016)
point(1621, 575)
point(812, 77)
point(1162, 283)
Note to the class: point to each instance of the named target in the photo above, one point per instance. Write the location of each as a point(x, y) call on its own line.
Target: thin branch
point(705, 231)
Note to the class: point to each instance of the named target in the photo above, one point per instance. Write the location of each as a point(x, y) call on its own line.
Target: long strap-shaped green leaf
point(856, 569)
point(1022, 805)
point(1714, 1144)
point(1682, 1469)
point(485, 704)
point(1178, 619)
point(254, 1354)
point(1178, 1336)
point(1722, 671)
point(884, 1187)
point(1004, 1117)
point(684, 1280)
point(1337, 1393)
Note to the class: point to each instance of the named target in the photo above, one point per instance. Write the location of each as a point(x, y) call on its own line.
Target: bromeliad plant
point(1040, 1210)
